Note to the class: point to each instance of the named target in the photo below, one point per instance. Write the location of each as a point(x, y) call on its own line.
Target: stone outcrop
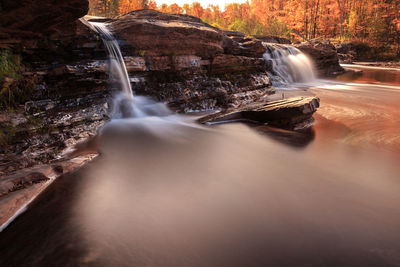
point(25, 22)
point(176, 59)
point(294, 113)
point(324, 56)
point(236, 43)
point(152, 33)
point(272, 39)
point(207, 93)
point(180, 59)
point(187, 67)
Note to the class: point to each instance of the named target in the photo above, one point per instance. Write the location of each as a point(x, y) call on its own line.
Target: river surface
point(167, 192)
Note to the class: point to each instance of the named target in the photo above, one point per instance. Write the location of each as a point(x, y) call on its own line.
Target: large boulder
point(237, 43)
point(152, 33)
point(324, 56)
point(29, 19)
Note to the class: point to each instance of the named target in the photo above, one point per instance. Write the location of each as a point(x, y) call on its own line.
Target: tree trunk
point(341, 21)
point(315, 19)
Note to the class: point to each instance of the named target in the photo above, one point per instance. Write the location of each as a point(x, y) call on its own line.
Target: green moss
point(14, 88)
point(142, 53)
point(10, 65)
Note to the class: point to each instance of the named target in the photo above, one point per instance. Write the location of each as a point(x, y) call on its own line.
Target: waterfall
point(125, 105)
point(118, 71)
point(287, 65)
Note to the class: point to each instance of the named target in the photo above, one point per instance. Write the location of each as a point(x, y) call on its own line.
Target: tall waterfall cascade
point(287, 65)
point(117, 67)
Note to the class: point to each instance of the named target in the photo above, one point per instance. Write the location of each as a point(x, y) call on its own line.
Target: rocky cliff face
point(185, 66)
point(188, 63)
point(176, 59)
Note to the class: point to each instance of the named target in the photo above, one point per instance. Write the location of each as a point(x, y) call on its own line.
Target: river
point(167, 192)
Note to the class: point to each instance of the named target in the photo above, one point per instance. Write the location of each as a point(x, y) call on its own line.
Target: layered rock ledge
point(176, 59)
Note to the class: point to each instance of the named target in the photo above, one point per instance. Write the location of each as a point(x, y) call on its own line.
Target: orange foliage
point(375, 21)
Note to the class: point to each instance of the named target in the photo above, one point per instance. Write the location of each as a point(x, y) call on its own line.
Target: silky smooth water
point(169, 192)
point(165, 193)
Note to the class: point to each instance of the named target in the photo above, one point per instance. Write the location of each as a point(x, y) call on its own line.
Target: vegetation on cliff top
point(375, 22)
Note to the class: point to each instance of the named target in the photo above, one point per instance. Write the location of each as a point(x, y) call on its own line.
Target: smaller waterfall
point(118, 71)
point(287, 65)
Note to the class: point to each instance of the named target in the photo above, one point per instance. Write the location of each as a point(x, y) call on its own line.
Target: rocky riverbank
point(59, 94)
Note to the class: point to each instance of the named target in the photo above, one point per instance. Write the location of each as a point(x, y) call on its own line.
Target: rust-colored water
point(363, 111)
point(169, 193)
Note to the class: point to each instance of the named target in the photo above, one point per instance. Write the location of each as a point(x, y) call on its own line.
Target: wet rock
point(44, 133)
point(58, 169)
point(346, 58)
point(243, 46)
point(14, 183)
point(344, 48)
point(294, 113)
point(324, 56)
point(252, 48)
point(205, 92)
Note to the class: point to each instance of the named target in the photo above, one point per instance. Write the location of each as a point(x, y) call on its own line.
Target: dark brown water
point(168, 193)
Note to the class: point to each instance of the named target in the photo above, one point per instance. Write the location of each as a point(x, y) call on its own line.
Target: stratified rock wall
point(30, 20)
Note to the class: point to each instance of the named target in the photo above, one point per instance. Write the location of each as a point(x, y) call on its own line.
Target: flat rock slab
point(19, 189)
point(286, 113)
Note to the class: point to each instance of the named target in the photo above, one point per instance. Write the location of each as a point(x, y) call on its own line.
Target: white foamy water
point(288, 65)
point(124, 104)
point(117, 68)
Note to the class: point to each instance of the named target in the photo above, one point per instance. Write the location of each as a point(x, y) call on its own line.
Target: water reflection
point(298, 139)
point(222, 197)
point(167, 192)
point(373, 76)
point(361, 114)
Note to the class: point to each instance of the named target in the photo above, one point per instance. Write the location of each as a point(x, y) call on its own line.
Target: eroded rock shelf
point(178, 59)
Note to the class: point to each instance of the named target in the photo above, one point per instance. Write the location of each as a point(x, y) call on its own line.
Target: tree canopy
point(374, 21)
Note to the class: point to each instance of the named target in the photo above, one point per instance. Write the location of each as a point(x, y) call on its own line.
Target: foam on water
point(287, 65)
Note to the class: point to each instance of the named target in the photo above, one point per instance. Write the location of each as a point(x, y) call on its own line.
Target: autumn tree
point(374, 21)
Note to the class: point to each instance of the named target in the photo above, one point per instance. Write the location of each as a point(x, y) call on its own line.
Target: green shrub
point(14, 88)
point(10, 65)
